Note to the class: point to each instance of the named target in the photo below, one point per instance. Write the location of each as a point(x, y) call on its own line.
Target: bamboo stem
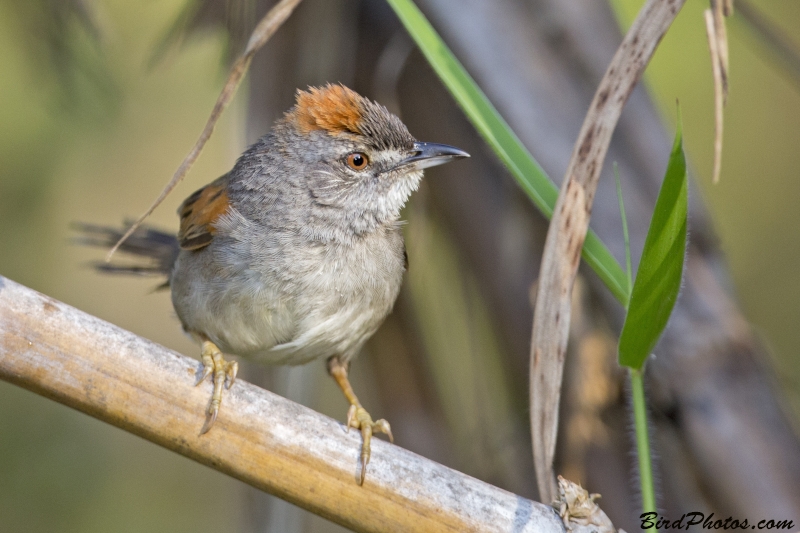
point(260, 438)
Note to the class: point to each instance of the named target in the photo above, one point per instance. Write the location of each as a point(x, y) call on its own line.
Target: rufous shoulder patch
point(200, 211)
point(332, 108)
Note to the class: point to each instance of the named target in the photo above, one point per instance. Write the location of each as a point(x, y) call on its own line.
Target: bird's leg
point(222, 372)
point(357, 416)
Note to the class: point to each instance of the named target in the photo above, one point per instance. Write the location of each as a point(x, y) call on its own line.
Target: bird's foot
point(222, 372)
point(359, 418)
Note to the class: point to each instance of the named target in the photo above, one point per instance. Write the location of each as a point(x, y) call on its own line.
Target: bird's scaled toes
point(359, 418)
point(223, 373)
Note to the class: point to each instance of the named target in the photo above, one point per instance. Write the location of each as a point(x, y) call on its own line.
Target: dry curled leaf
point(578, 509)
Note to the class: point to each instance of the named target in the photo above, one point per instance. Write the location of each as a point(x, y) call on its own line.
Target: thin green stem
point(643, 442)
point(628, 269)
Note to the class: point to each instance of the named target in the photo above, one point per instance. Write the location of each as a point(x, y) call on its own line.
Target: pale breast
point(290, 303)
point(346, 299)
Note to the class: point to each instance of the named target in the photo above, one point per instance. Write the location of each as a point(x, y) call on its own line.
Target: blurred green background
point(93, 136)
point(95, 146)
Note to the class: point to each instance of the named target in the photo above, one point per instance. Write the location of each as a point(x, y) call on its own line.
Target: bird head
point(356, 160)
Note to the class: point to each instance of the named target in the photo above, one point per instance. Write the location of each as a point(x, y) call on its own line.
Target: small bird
point(297, 253)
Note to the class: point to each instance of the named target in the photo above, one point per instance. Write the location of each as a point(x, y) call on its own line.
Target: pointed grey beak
point(431, 154)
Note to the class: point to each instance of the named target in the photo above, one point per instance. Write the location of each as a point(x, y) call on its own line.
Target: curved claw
point(211, 417)
point(231, 369)
point(383, 426)
point(208, 369)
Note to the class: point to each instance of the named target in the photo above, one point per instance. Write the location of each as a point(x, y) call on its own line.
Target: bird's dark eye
point(357, 161)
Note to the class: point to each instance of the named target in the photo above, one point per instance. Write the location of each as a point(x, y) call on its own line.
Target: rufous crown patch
point(332, 108)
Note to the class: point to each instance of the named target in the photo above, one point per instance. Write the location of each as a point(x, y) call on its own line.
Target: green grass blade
point(658, 279)
point(502, 139)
